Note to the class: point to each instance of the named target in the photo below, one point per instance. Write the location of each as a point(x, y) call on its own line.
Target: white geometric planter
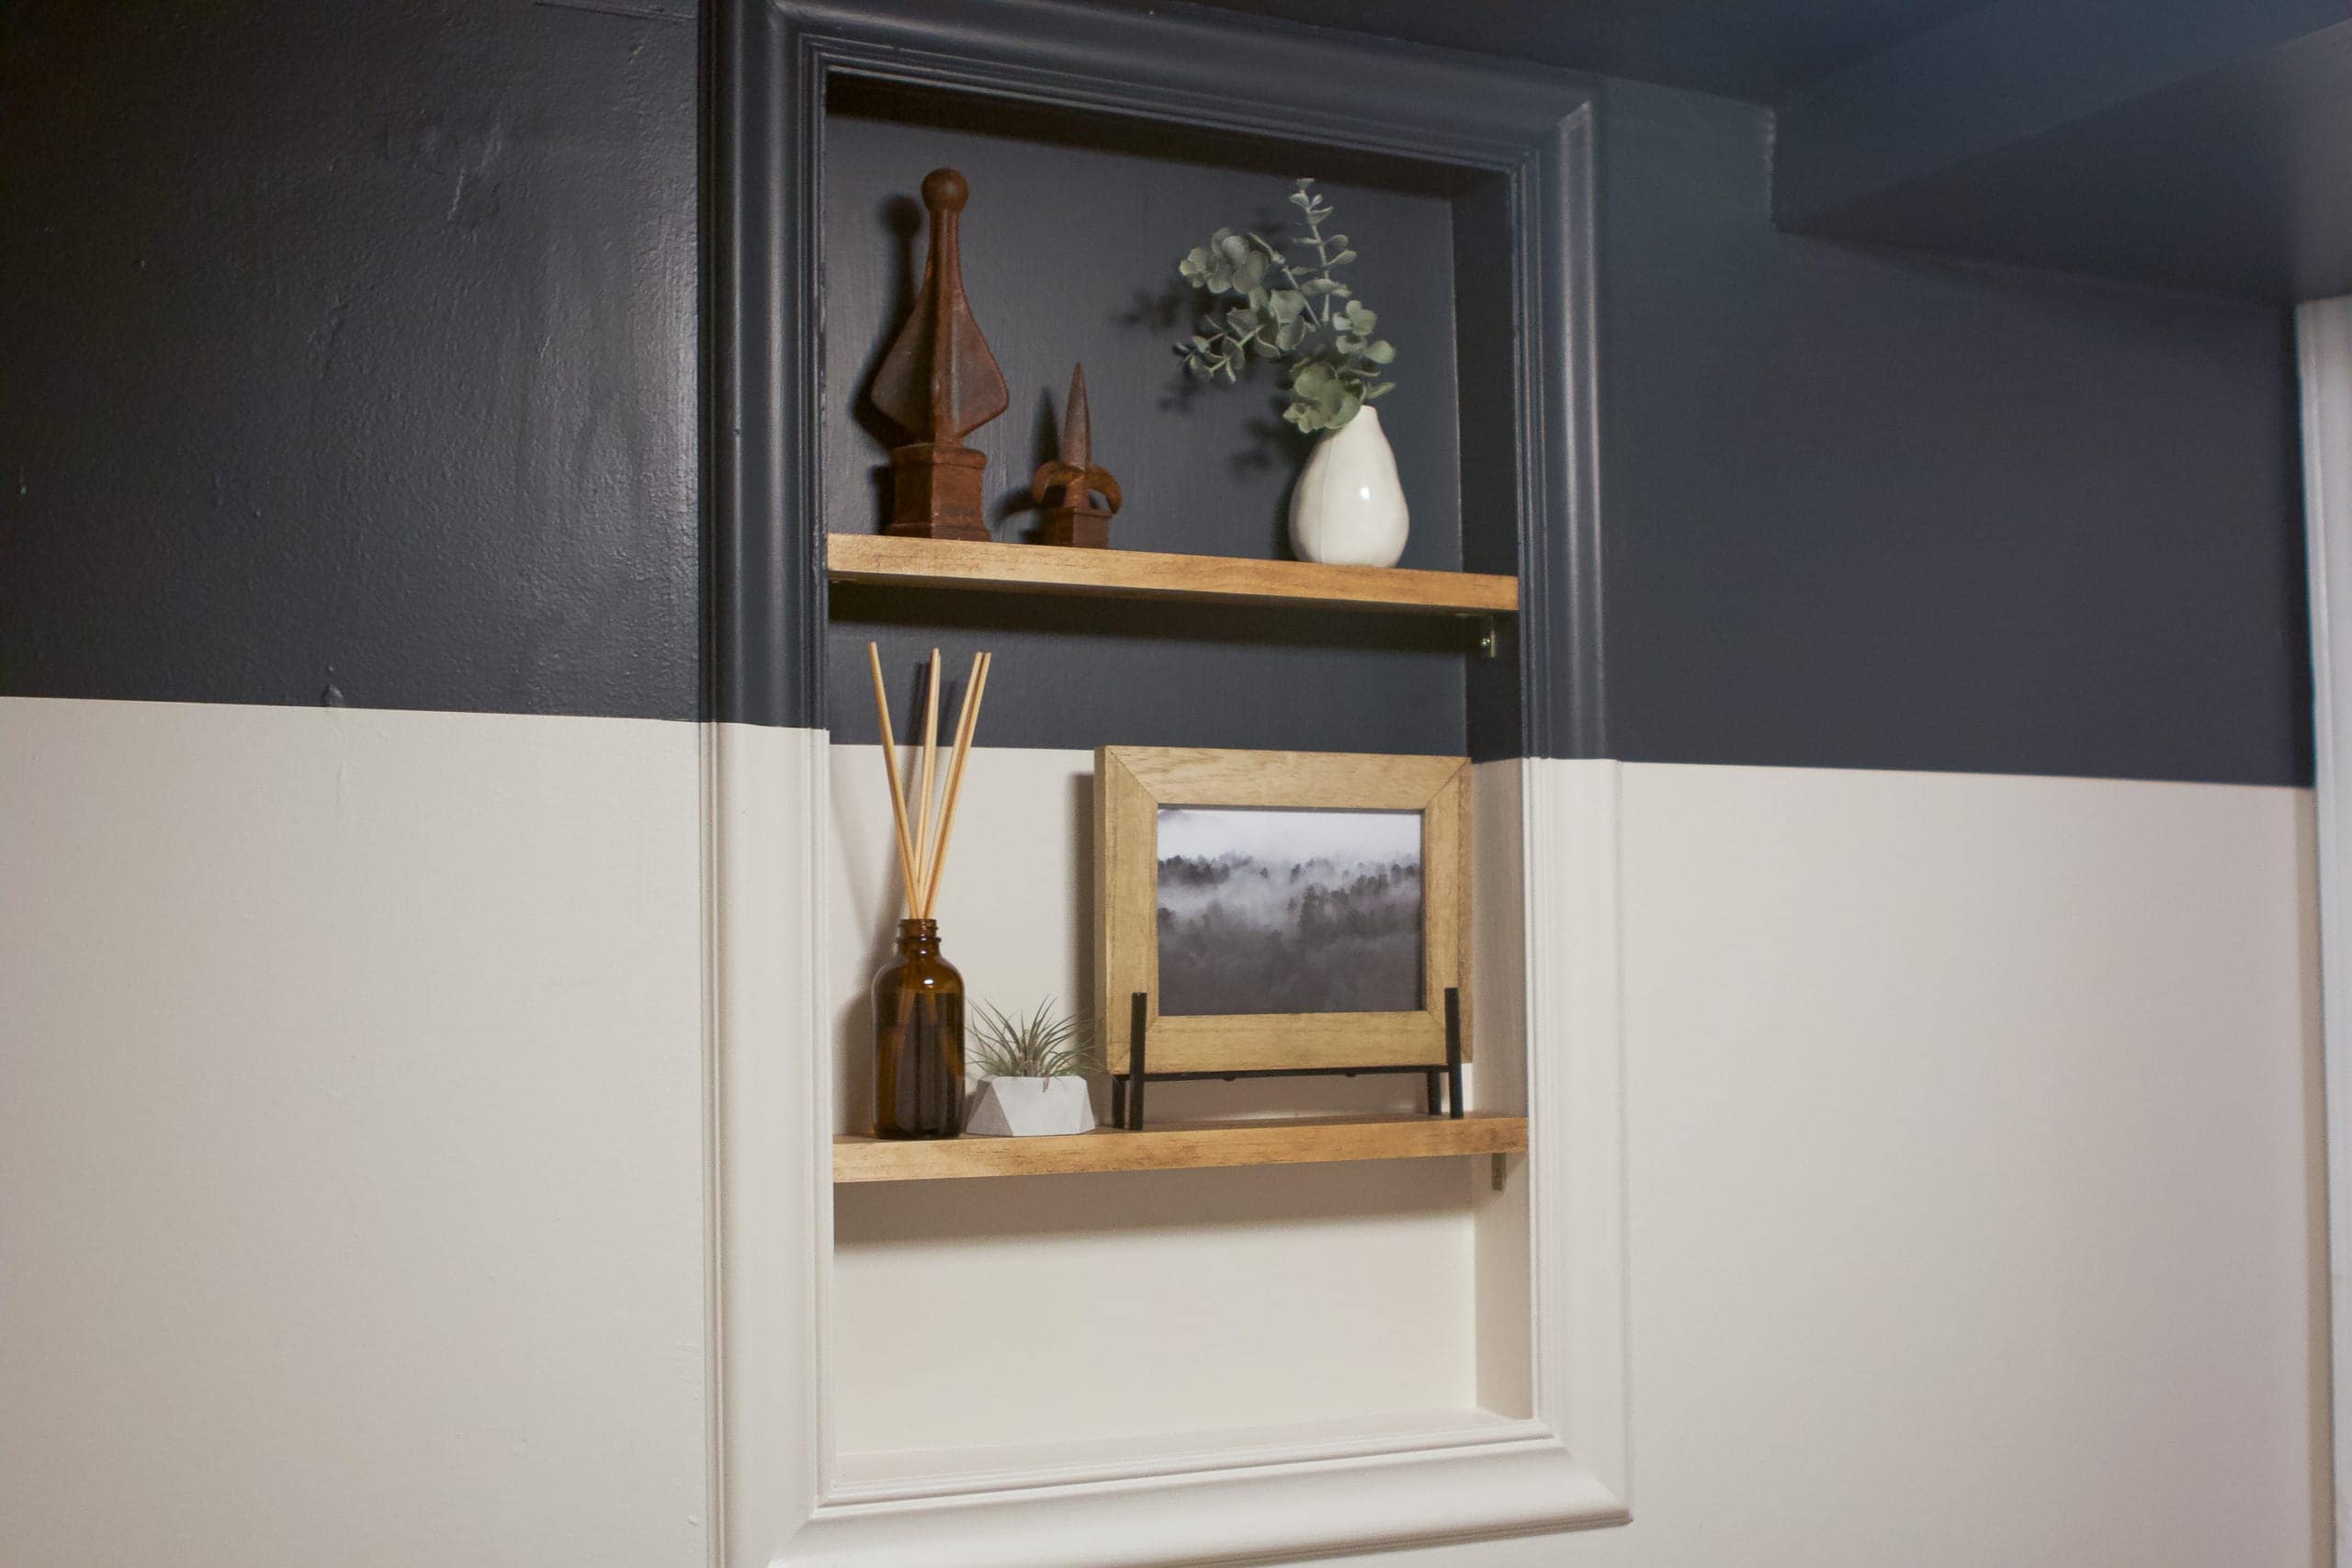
point(1030, 1108)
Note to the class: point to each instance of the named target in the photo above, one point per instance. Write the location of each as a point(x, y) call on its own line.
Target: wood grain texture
point(1150, 574)
point(1179, 1148)
point(1131, 783)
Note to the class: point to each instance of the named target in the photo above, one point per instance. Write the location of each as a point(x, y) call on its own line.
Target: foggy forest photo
point(1265, 911)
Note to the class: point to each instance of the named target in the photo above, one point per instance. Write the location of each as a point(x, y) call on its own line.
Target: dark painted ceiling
point(1760, 49)
point(2201, 144)
point(2232, 176)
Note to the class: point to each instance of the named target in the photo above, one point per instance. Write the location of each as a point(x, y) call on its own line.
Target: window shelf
point(1179, 1146)
point(1146, 574)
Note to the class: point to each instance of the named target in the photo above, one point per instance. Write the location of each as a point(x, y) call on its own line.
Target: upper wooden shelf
point(1146, 574)
point(1179, 1146)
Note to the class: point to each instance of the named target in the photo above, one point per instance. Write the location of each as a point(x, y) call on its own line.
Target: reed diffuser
point(919, 996)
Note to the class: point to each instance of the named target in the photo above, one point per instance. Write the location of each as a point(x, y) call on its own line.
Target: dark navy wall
point(349, 345)
point(354, 346)
point(1865, 509)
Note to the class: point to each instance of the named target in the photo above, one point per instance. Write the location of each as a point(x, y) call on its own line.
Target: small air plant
point(1297, 313)
point(1046, 1044)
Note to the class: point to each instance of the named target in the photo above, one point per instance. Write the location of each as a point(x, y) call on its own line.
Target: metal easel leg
point(1453, 1051)
point(1139, 1021)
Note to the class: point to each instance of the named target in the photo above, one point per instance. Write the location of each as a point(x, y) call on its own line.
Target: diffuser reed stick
point(966, 721)
point(890, 767)
point(922, 846)
point(926, 821)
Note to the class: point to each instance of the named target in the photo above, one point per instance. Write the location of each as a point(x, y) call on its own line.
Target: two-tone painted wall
point(352, 1199)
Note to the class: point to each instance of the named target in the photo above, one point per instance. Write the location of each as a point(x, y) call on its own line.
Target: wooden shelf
point(1143, 574)
point(1179, 1146)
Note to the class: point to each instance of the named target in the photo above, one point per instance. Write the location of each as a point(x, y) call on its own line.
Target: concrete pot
point(1030, 1108)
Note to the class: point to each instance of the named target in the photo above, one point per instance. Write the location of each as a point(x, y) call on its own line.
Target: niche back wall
point(1070, 244)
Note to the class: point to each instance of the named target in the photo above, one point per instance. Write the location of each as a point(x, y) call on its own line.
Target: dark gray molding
point(1451, 113)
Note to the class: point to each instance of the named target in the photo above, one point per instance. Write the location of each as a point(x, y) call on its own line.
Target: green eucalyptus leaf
point(1379, 388)
point(1330, 350)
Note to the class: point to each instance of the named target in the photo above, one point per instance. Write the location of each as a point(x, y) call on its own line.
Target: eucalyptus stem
point(1333, 362)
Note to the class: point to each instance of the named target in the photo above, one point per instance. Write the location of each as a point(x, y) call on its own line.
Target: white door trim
point(2324, 343)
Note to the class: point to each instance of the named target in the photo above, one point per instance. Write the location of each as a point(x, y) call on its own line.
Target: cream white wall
point(351, 1153)
point(350, 1139)
point(1975, 1176)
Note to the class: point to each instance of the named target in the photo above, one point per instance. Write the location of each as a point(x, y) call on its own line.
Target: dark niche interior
point(1069, 249)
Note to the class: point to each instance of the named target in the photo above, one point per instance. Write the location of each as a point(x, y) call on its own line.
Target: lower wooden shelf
point(1179, 1146)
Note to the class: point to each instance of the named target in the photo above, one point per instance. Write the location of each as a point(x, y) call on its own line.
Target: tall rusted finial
point(940, 383)
point(1073, 518)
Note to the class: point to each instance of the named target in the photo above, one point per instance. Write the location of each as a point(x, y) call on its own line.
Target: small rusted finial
point(939, 382)
point(1066, 489)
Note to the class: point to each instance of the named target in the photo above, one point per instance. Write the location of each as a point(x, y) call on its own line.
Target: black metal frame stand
point(1444, 1080)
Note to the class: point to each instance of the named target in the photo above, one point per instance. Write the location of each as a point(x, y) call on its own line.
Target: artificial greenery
point(1044, 1044)
point(1297, 313)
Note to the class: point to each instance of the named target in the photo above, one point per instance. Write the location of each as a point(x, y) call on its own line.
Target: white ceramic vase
point(1030, 1108)
point(1348, 509)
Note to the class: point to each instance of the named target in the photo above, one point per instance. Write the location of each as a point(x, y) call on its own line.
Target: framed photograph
point(1282, 911)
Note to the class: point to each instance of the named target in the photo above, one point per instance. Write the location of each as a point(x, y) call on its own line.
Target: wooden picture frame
point(1133, 783)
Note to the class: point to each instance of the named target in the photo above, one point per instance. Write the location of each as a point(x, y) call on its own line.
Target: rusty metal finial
point(1066, 489)
point(939, 382)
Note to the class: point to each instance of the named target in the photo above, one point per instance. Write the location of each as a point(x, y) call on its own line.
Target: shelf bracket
point(1487, 640)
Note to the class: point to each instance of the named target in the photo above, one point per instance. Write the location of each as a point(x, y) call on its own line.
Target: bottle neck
point(919, 938)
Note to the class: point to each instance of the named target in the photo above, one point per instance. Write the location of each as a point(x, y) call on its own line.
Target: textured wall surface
point(350, 347)
point(350, 1138)
point(1881, 511)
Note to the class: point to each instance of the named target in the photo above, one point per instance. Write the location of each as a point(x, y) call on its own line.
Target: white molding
point(1255, 1496)
point(1575, 1098)
point(2324, 343)
point(770, 1142)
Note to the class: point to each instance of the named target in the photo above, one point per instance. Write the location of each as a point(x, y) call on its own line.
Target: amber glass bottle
point(918, 1039)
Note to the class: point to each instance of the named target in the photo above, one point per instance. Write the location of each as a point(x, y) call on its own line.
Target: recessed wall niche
point(1274, 1298)
point(1448, 1370)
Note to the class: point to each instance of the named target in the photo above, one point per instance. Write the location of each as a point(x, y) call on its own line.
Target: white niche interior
point(1000, 1322)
